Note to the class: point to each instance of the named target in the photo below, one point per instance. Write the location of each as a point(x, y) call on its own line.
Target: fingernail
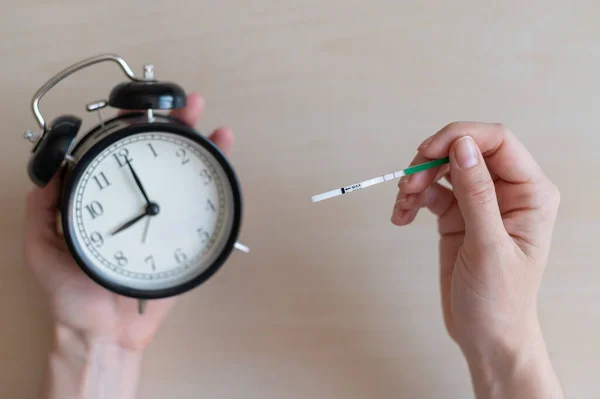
point(401, 197)
point(405, 179)
point(396, 217)
point(425, 143)
point(466, 153)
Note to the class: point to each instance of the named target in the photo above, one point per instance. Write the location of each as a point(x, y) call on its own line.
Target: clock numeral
point(204, 235)
point(150, 260)
point(210, 206)
point(120, 258)
point(97, 239)
point(207, 177)
point(101, 180)
point(181, 154)
point(122, 157)
point(95, 209)
point(180, 257)
point(153, 150)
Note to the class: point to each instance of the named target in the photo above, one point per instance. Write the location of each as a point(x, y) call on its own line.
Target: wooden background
point(333, 302)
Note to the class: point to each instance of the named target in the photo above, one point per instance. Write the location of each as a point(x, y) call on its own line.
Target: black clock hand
point(138, 182)
point(151, 210)
point(129, 223)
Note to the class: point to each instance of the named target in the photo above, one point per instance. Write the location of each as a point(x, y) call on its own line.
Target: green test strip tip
point(426, 165)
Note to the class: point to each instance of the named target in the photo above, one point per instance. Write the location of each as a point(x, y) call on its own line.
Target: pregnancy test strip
point(380, 179)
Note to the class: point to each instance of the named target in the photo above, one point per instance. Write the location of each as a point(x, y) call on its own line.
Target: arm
point(90, 368)
point(495, 228)
point(515, 373)
point(98, 337)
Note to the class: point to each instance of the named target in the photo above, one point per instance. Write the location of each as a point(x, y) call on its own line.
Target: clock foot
point(241, 247)
point(142, 306)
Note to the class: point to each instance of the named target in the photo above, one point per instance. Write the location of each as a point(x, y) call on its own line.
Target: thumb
point(475, 193)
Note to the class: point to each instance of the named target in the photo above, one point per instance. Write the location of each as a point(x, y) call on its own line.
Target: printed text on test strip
point(379, 179)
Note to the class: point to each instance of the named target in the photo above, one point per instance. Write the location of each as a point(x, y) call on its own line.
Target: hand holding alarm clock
point(148, 207)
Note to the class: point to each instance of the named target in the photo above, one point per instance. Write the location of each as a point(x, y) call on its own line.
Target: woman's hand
point(91, 323)
point(495, 229)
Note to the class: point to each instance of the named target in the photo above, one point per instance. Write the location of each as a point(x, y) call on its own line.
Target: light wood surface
point(333, 301)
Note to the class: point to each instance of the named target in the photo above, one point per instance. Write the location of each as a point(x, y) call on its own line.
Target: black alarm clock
point(149, 207)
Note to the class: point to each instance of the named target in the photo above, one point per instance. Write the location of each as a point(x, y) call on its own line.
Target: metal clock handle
point(62, 75)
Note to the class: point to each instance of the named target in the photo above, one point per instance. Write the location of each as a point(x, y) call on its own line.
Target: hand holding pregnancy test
point(380, 179)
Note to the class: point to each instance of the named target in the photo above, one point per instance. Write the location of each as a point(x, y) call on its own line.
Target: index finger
point(190, 115)
point(504, 154)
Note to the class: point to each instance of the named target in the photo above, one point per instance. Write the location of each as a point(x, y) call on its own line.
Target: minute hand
point(138, 182)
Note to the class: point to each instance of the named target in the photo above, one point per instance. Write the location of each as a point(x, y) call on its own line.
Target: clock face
point(161, 241)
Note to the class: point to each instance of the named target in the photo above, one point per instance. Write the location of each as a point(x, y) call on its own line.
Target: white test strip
point(357, 186)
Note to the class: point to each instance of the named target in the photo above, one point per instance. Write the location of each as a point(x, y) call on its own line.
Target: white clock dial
point(185, 184)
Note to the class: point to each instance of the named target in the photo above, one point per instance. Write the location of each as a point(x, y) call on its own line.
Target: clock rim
point(74, 174)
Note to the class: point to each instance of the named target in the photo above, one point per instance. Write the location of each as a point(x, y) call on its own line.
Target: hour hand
point(151, 210)
point(129, 223)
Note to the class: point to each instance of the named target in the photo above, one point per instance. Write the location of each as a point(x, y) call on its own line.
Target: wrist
point(511, 370)
point(83, 366)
